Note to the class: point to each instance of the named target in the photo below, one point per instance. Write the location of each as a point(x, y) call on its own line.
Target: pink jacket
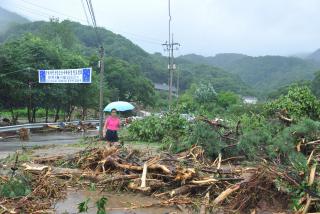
point(112, 123)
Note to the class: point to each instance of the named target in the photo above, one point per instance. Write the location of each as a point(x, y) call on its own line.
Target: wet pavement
point(9, 146)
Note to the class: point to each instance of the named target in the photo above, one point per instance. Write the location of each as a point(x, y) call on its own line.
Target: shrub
point(227, 99)
point(149, 129)
point(155, 128)
point(299, 103)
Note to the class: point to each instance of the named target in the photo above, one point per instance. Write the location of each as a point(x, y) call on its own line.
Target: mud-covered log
point(119, 178)
point(50, 159)
point(182, 190)
point(185, 174)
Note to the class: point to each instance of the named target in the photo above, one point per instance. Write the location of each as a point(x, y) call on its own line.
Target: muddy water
point(118, 203)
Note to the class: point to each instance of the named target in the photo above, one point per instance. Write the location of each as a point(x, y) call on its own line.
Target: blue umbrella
point(119, 105)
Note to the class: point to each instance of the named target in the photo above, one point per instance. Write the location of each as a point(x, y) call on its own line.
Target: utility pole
point(178, 79)
point(101, 92)
point(170, 46)
point(29, 109)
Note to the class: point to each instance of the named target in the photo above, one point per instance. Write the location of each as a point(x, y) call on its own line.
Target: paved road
point(8, 146)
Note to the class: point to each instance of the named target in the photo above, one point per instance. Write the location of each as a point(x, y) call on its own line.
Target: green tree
point(315, 84)
point(26, 55)
point(205, 93)
point(227, 99)
point(128, 83)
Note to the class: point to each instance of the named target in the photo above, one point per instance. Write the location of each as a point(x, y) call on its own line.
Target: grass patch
point(22, 157)
point(85, 142)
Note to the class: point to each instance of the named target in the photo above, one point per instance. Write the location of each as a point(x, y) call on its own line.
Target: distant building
point(164, 87)
point(249, 100)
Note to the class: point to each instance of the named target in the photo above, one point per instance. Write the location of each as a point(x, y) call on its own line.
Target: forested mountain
point(8, 19)
point(264, 73)
point(315, 56)
point(191, 72)
point(81, 38)
point(220, 60)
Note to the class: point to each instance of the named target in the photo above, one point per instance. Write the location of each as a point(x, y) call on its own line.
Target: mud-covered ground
point(66, 143)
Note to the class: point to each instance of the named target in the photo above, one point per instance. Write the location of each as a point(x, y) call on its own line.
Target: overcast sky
point(207, 27)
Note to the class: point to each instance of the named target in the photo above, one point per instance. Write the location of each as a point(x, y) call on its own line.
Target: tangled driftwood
point(188, 175)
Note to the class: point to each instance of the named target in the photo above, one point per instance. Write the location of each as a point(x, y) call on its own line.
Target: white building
point(249, 100)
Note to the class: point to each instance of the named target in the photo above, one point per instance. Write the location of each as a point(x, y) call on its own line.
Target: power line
point(92, 12)
point(101, 85)
point(85, 11)
point(94, 23)
point(55, 12)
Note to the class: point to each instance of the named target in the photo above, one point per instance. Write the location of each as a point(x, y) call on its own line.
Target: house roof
point(164, 87)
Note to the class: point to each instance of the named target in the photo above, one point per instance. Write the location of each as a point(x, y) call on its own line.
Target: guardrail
point(40, 125)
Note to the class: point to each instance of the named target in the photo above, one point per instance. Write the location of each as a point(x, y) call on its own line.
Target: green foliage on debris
point(101, 204)
point(299, 102)
point(156, 128)
point(261, 134)
point(15, 187)
point(203, 135)
point(83, 206)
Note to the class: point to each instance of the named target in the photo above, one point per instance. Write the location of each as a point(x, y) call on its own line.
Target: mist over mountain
point(8, 19)
point(263, 73)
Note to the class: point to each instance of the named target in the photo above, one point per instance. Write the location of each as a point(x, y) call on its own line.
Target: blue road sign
point(80, 75)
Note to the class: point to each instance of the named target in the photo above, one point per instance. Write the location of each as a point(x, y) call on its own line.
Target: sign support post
point(101, 92)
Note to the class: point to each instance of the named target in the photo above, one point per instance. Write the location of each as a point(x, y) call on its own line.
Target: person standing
point(111, 127)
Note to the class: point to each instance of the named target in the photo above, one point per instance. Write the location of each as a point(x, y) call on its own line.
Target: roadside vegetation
point(284, 132)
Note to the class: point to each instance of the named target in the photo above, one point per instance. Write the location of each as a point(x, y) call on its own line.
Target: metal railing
point(41, 125)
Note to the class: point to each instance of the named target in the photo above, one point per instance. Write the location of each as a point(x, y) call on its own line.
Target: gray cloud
point(254, 27)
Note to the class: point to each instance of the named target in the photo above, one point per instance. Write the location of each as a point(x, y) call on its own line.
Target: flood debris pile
point(30, 192)
point(189, 179)
point(80, 127)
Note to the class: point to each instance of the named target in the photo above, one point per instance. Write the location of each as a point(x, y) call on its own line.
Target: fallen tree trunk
point(182, 190)
point(144, 176)
point(284, 118)
point(225, 194)
point(160, 167)
point(35, 168)
point(50, 159)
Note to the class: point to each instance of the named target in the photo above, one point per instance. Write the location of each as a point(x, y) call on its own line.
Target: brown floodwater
point(118, 203)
